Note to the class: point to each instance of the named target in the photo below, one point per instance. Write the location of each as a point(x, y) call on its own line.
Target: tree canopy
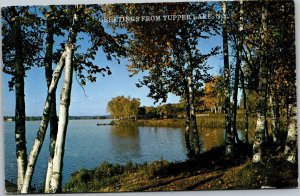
point(123, 107)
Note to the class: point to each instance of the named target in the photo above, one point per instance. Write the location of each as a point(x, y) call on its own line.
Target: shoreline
point(211, 171)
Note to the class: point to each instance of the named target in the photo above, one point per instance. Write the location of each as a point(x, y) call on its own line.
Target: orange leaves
point(123, 108)
point(213, 92)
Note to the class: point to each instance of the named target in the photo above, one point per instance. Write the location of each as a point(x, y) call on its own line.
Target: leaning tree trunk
point(291, 140)
point(20, 117)
point(65, 97)
point(53, 115)
point(43, 125)
point(259, 138)
point(229, 137)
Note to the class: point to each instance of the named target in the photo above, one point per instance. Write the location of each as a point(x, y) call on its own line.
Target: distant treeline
point(33, 118)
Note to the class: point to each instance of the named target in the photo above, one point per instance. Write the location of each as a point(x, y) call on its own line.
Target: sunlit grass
point(211, 171)
point(208, 120)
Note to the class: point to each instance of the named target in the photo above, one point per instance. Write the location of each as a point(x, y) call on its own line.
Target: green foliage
point(22, 40)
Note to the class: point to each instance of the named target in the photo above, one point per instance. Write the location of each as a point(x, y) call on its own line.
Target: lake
point(88, 145)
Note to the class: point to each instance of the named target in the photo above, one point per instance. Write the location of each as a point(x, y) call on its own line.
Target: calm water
point(88, 145)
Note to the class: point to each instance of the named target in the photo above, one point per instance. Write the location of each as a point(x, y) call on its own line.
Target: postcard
point(149, 97)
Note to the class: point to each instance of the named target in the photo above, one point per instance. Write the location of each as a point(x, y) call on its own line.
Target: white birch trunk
point(259, 138)
point(19, 74)
point(195, 137)
point(290, 150)
point(20, 131)
point(56, 177)
point(53, 134)
point(48, 175)
point(53, 115)
point(43, 126)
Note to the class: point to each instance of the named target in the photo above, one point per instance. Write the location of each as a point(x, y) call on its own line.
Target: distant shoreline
point(37, 118)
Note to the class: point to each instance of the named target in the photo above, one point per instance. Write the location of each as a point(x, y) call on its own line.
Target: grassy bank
point(212, 171)
point(207, 120)
point(10, 187)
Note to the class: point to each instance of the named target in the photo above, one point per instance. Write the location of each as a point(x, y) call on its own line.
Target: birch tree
point(21, 46)
point(65, 98)
point(19, 75)
point(49, 113)
point(260, 137)
point(113, 46)
point(290, 150)
point(174, 62)
point(43, 126)
point(229, 137)
point(50, 22)
point(282, 58)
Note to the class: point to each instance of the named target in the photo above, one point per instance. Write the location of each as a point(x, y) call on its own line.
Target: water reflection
point(162, 143)
point(125, 131)
point(125, 141)
point(215, 137)
point(88, 145)
point(211, 137)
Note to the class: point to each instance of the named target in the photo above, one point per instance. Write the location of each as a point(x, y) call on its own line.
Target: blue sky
point(97, 95)
point(93, 102)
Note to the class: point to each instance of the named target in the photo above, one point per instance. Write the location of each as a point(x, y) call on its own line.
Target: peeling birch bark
point(290, 150)
point(65, 97)
point(43, 126)
point(260, 132)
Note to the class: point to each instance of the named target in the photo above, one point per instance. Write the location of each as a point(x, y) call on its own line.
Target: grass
point(210, 121)
point(10, 187)
point(212, 171)
point(107, 176)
